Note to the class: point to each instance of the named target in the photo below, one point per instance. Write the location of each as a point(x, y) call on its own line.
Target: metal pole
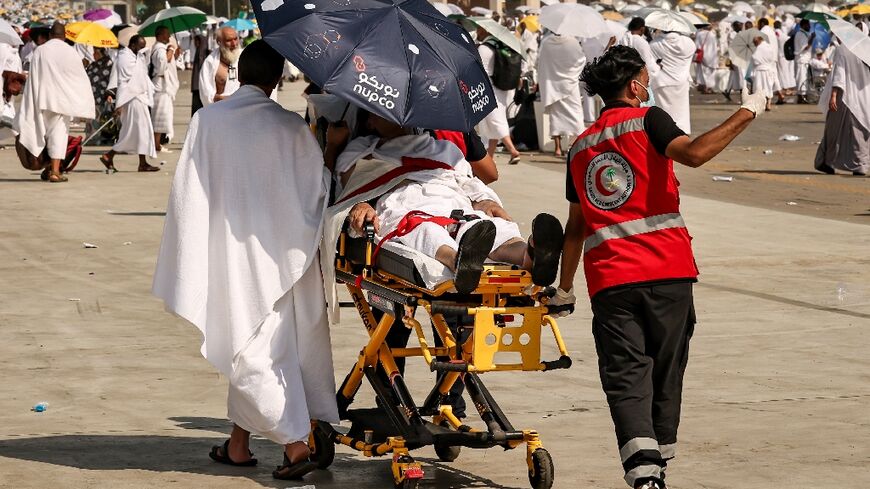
point(228, 10)
point(213, 14)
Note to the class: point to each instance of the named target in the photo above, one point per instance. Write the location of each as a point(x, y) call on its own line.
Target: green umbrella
point(821, 17)
point(176, 19)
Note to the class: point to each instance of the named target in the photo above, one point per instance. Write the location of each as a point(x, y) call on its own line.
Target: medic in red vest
point(624, 219)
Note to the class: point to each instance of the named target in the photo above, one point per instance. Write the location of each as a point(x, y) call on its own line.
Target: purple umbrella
point(98, 14)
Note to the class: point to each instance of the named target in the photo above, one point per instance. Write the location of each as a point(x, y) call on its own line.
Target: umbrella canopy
point(742, 46)
point(818, 7)
point(497, 31)
point(240, 24)
point(612, 15)
point(531, 22)
point(788, 9)
point(860, 9)
point(481, 11)
point(616, 29)
point(211, 20)
point(126, 33)
point(401, 60)
point(549, 2)
point(573, 19)
point(8, 34)
point(92, 34)
point(814, 16)
point(175, 18)
point(717, 16)
point(665, 20)
point(852, 39)
point(448, 9)
point(694, 18)
point(98, 14)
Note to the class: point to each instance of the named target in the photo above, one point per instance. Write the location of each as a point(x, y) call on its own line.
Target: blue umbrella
point(400, 59)
point(240, 24)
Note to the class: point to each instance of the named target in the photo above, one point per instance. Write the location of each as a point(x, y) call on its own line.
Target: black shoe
point(650, 484)
point(780, 101)
point(547, 237)
point(727, 96)
point(474, 247)
point(825, 168)
point(859, 173)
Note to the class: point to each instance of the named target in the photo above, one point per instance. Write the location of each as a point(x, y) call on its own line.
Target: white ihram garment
point(672, 83)
point(560, 63)
point(803, 53)
point(764, 70)
point(495, 124)
point(165, 88)
point(640, 44)
point(207, 84)
point(239, 260)
point(785, 68)
point(706, 74)
point(135, 96)
point(56, 90)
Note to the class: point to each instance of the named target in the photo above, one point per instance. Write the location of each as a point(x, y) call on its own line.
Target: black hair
point(260, 64)
point(636, 23)
point(805, 22)
point(609, 74)
point(737, 26)
point(38, 32)
point(777, 24)
point(763, 21)
point(58, 31)
point(160, 29)
point(134, 39)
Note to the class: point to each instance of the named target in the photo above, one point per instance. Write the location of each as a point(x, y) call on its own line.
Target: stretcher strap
point(408, 223)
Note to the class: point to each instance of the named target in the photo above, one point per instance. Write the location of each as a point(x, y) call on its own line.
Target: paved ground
point(777, 388)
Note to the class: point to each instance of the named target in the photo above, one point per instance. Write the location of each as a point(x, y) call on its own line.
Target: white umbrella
point(665, 20)
point(499, 32)
point(725, 3)
point(573, 19)
point(211, 20)
point(742, 46)
point(126, 33)
point(742, 8)
point(448, 9)
point(736, 18)
point(481, 11)
point(818, 7)
point(523, 8)
point(8, 34)
point(549, 2)
point(788, 9)
point(694, 19)
point(110, 21)
point(630, 9)
point(852, 39)
point(616, 29)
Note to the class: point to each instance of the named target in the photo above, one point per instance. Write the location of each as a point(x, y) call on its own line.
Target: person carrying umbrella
point(624, 219)
point(495, 126)
point(165, 78)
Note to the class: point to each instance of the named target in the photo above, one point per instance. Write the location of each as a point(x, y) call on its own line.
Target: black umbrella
point(400, 59)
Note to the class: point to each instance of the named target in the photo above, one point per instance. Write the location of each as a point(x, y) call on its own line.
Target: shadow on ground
point(166, 453)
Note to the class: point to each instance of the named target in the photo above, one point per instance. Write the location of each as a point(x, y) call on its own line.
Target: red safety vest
point(631, 205)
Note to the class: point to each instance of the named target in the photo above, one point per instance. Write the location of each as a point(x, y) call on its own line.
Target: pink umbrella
point(98, 14)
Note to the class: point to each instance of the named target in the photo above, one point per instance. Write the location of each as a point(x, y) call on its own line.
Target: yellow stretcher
point(505, 314)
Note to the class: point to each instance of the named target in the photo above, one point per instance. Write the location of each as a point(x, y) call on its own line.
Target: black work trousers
point(642, 335)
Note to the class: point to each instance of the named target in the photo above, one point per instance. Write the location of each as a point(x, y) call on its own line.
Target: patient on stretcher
point(425, 181)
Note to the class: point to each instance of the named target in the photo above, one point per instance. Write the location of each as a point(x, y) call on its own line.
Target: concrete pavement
point(776, 392)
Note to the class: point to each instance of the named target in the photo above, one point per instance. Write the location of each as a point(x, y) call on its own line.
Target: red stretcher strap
point(408, 223)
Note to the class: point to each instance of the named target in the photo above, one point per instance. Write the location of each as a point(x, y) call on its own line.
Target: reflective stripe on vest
point(631, 228)
point(606, 134)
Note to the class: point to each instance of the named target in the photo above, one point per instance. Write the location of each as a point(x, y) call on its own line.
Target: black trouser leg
point(195, 102)
point(641, 336)
point(454, 397)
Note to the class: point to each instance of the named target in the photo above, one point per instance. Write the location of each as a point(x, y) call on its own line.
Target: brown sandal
point(109, 164)
point(56, 178)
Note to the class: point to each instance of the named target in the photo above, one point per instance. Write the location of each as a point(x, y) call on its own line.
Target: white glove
point(755, 103)
point(562, 298)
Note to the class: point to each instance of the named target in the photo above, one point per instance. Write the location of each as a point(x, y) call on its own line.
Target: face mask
point(651, 99)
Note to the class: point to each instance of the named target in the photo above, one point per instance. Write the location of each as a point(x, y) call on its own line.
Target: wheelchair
point(506, 313)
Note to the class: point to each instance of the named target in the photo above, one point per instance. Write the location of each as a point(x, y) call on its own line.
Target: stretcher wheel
point(542, 474)
point(446, 453)
point(323, 449)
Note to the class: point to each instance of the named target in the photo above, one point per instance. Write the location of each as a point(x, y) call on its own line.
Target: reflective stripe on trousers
point(631, 228)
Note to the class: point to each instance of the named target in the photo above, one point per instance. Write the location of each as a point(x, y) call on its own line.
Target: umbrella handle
point(97, 131)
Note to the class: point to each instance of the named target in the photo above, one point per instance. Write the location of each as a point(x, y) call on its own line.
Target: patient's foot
point(545, 248)
point(474, 247)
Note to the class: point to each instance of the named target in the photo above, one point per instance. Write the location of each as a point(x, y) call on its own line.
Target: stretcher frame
point(504, 292)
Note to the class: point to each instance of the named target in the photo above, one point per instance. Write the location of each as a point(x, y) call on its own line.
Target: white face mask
point(650, 97)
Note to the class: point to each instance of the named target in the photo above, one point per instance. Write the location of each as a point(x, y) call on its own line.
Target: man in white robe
point(239, 260)
point(165, 79)
point(846, 104)
point(57, 89)
point(218, 76)
point(560, 62)
point(672, 83)
point(708, 50)
point(785, 67)
point(803, 53)
point(764, 69)
point(529, 41)
point(494, 127)
point(134, 97)
point(635, 38)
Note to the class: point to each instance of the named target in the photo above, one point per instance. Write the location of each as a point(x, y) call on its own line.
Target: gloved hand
point(563, 298)
point(755, 103)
